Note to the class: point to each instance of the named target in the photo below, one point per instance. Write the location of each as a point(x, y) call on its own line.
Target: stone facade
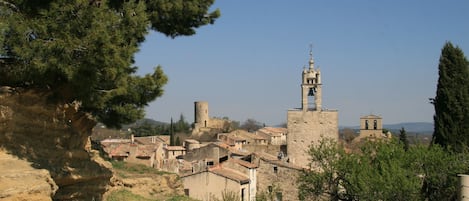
point(371, 126)
point(276, 177)
point(214, 182)
point(308, 124)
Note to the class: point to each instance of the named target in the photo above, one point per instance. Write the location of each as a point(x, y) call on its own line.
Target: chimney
point(132, 138)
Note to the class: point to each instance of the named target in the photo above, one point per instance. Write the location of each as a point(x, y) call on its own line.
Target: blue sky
point(378, 57)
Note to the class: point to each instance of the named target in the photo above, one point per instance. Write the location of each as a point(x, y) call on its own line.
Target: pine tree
point(83, 50)
point(451, 119)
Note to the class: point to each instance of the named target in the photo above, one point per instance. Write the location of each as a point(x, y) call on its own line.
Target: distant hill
point(410, 127)
point(414, 127)
point(144, 121)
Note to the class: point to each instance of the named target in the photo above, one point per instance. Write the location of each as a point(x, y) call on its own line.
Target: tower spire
point(311, 59)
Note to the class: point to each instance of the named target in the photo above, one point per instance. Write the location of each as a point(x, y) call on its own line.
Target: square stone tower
point(371, 126)
point(306, 125)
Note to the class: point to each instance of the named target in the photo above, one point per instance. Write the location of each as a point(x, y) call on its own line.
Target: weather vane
point(311, 49)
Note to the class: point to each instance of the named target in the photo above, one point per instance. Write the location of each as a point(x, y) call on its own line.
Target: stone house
point(141, 151)
point(212, 183)
point(172, 152)
point(276, 177)
point(240, 138)
point(248, 169)
point(277, 135)
point(252, 138)
point(116, 149)
point(197, 160)
point(234, 141)
point(265, 173)
point(191, 144)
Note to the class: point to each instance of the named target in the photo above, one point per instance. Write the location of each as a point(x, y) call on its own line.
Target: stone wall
point(210, 151)
point(307, 127)
point(206, 185)
point(270, 149)
point(280, 178)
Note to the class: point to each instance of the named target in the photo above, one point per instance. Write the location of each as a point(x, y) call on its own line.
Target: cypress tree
point(403, 139)
point(451, 119)
point(171, 133)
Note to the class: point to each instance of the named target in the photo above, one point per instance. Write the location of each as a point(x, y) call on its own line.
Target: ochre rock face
point(52, 137)
point(20, 181)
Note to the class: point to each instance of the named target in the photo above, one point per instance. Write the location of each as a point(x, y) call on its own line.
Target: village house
point(234, 141)
point(276, 135)
point(239, 138)
point(252, 138)
point(276, 177)
point(213, 182)
point(140, 150)
point(248, 169)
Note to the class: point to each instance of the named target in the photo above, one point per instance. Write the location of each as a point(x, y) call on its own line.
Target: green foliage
point(348, 134)
point(171, 133)
point(403, 138)
point(84, 50)
point(451, 119)
point(135, 168)
point(125, 195)
point(145, 129)
point(251, 125)
point(181, 198)
point(382, 171)
point(182, 126)
point(270, 195)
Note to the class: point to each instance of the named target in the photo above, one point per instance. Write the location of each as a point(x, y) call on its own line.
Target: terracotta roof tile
point(230, 174)
point(244, 163)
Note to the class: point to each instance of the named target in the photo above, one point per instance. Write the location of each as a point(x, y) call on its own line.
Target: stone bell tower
point(311, 86)
point(308, 124)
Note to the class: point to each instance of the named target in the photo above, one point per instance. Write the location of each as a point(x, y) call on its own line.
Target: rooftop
point(230, 174)
point(175, 148)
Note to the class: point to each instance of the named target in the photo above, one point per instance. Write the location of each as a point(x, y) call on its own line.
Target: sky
point(376, 57)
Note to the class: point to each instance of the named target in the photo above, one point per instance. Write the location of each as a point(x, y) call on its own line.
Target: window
point(275, 169)
point(270, 189)
point(366, 124)
point(375, 124)
point(186, 191)
point(242, 194)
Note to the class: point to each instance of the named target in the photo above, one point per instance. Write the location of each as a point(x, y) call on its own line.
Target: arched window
point(366, 124)
point(375, 124)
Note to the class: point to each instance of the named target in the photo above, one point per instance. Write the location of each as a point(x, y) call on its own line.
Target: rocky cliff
point(53, 142)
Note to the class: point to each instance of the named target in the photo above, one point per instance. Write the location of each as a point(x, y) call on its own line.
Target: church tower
point(311, 86)
point(308, 124)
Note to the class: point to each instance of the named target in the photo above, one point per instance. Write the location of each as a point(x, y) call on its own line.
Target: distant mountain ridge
point(412, 127)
